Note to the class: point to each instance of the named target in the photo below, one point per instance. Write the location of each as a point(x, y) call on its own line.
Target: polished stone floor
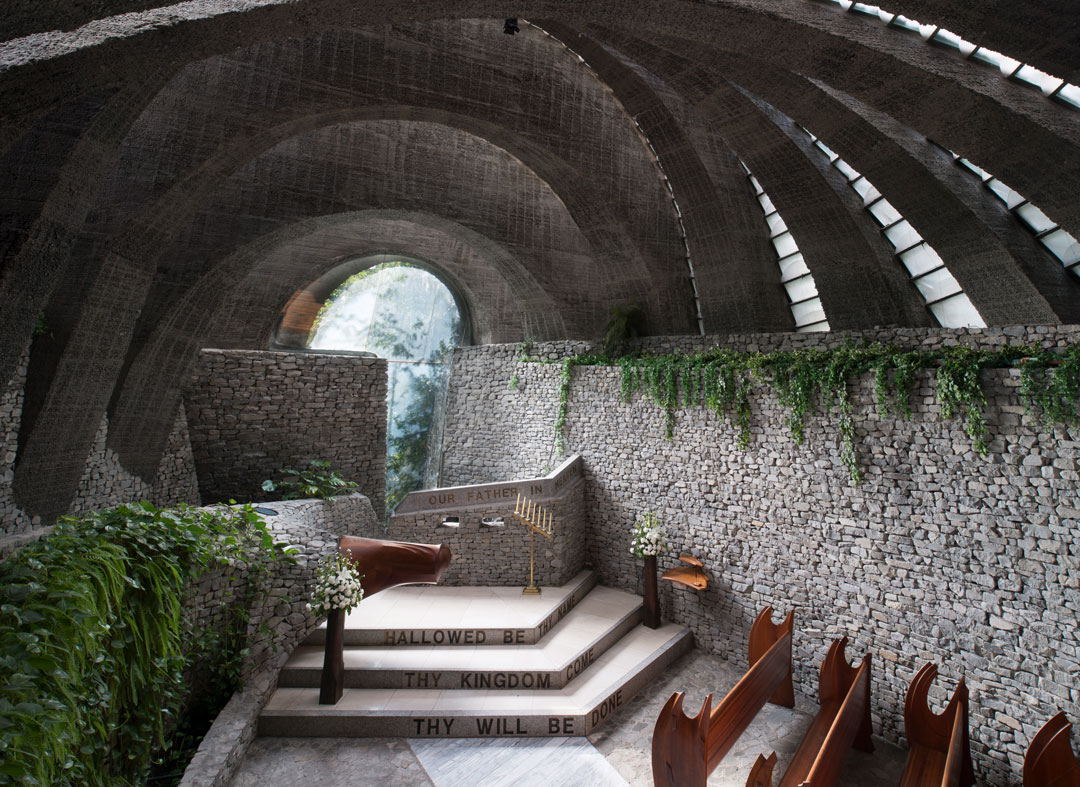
point(618, 749)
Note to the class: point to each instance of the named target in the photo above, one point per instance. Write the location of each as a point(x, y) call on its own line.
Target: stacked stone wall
point(105, 483)
point(279, 618)
point(938, 555)
point(251, 414)
point(499, 555)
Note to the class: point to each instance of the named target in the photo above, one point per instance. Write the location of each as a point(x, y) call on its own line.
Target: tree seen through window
point(401, 312)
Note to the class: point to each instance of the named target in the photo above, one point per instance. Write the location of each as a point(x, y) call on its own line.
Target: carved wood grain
point(686, 750)
point(940, 749)
point(1050, 761)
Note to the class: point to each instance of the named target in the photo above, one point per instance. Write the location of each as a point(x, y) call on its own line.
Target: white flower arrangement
point(337, 586)
point(648, 536)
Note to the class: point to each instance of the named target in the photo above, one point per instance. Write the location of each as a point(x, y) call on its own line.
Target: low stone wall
point(499, 555)
point(281, 619)
point(104, 484)
point(939, 554)
point(277, 625)
point(252, 413)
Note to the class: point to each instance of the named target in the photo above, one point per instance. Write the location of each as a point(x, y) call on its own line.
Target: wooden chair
point(940, 751)
point(842, 720)
point(686, 750)
point(1050, 761)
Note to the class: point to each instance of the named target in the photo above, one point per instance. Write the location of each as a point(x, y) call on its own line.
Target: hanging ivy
point(721, 380)
point(94, 640)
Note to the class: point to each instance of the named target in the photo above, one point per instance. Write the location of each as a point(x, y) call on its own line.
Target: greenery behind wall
point(723, 379)
point(95, 642)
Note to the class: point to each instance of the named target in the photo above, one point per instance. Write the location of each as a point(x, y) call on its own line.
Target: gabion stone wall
point(939, 554)
point(280, 619)
point(493, 553)
point(105, 482)
point(253, 413)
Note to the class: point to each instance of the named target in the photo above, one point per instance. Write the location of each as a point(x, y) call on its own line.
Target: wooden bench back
point(946, 734)
point(850, 687)
point(842, 720)
point(1050, 761)
point(686, 750)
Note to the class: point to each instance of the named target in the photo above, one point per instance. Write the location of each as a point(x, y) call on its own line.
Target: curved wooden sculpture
point(940, 753)
point(842, 721)
point(690, 575)
point(1050, 761)
point(383, 564)
point(686, 750)
point(387, 564)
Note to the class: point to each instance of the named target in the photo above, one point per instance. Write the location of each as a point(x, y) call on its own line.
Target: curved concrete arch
point(273, 267)
point(115, 299)
point(738, 285)
point(203, 33)
point(999, 287)
point(855, 280)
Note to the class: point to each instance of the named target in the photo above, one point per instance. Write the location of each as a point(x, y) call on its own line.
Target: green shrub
point(318, 480)
point(94, 640)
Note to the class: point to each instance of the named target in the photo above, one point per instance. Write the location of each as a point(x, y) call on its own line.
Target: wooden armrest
point(843, 720)
point(685, 750)
point(1050, 759)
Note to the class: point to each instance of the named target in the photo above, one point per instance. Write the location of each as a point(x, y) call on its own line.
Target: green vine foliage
point(722, 379)
point(1052, 391)
point(318, 479)
point(94, 641)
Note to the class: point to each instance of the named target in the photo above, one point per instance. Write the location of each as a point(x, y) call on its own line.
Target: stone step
point(579, 639)
point(576, 709)
point(461, 616)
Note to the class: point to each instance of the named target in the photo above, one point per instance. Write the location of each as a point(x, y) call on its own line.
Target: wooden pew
point(686, 750)
point(842, 720)
point(940, 751)
point(1050, 761)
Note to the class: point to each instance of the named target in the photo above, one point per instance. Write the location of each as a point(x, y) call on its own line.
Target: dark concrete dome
point(173, 176)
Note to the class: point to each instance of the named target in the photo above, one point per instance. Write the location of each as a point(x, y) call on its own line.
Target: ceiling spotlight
point(510, 26)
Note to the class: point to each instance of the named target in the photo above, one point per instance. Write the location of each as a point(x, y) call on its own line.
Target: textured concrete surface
point(938, 554)
point(330, 762)
point(624, 741)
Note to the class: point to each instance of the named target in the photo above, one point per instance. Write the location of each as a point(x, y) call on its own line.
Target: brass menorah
point(538, 520)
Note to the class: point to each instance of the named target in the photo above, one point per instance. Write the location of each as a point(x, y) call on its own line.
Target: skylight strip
point(803, 298)
point(1054, 88)
point(927, 270)
point(1047, 232)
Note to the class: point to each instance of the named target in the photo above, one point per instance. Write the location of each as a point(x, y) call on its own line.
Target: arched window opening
point(402, 312)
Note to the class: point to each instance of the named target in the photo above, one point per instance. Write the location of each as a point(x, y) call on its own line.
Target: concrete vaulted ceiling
point(172, 176)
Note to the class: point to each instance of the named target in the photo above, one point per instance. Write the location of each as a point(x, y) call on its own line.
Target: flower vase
point(651, 611)
point(333, 671)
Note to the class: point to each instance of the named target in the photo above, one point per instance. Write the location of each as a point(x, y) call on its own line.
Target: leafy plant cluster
point(721, 379)
point(94, 639)
point(318, 479)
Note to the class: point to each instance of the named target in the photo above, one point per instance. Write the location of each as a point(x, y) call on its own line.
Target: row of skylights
point(1051, 86)
point(699, 317)
point(944, 297)
point(1048, 232)
point(798, 281)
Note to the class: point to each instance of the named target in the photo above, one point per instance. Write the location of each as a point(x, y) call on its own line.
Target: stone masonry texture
point(938, 555)
point(252, 414)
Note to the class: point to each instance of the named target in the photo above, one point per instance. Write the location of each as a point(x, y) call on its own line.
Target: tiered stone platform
point(463, 662)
